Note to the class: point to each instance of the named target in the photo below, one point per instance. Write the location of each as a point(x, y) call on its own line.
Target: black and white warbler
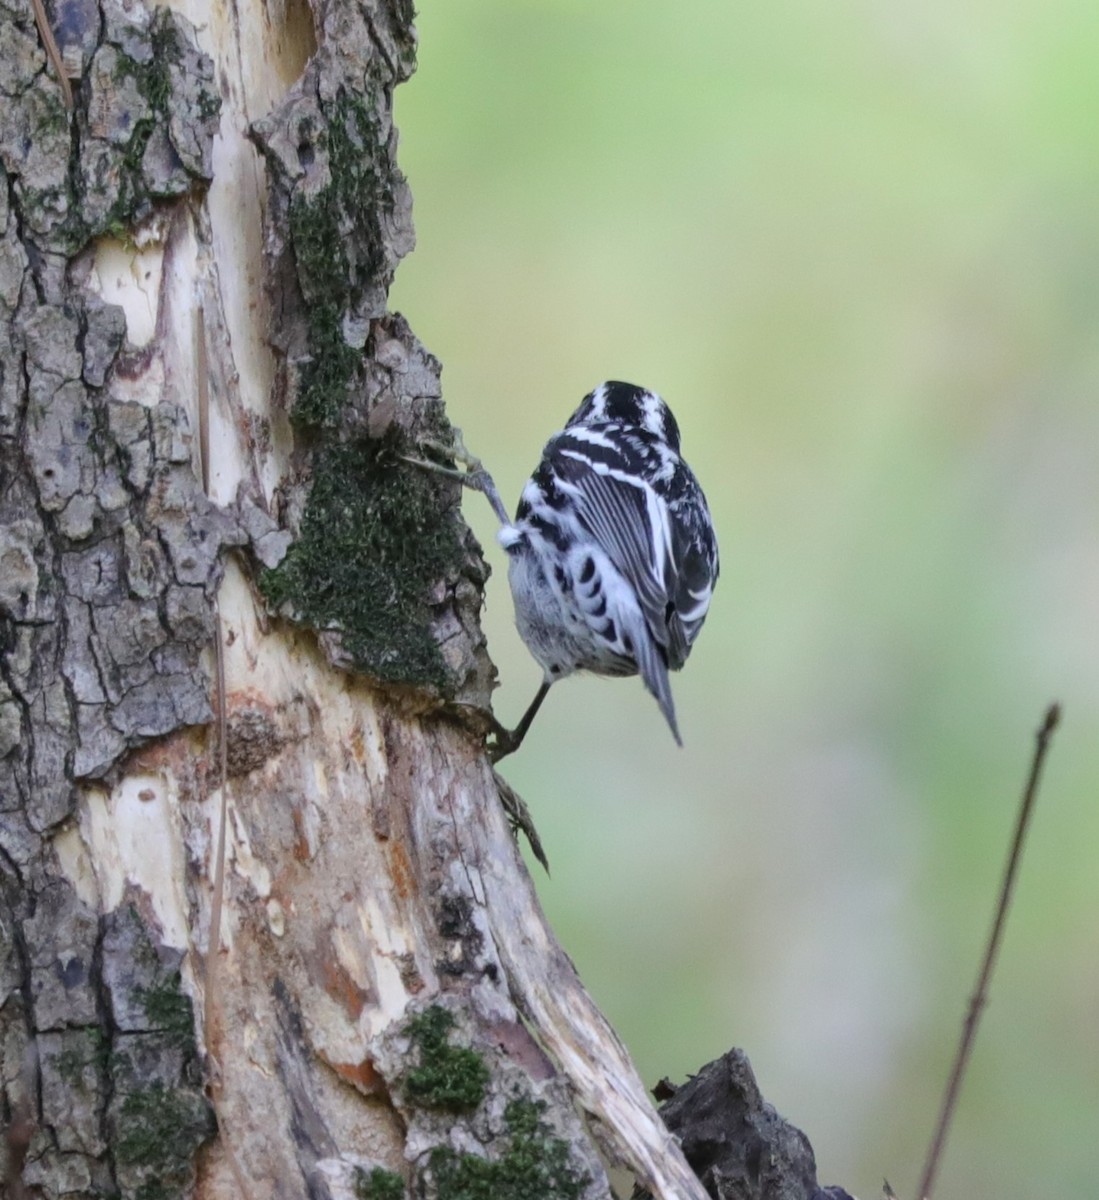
point(612, 553)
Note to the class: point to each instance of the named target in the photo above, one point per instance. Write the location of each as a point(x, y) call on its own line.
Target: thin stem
point(980, 994)
point(213, 945)
point(49, 44)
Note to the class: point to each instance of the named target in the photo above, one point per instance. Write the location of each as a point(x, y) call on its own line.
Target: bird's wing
point(669, 561)
point(631, 523)
point(696, 568)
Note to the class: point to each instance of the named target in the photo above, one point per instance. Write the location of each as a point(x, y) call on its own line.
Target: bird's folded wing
point(633, 524)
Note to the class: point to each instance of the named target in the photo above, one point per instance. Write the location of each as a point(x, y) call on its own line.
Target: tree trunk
point(203, 514)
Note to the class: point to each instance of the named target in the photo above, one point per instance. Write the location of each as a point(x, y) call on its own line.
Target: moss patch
point(85, 1047)
point(535, 1165)
point(373, 541)
point(158, 1130)
point(154, 82)
point(168, 1009)
point(378, 1184)
point(448, 1077)
point(337, 242)
point(135, 186)
point(376, 545)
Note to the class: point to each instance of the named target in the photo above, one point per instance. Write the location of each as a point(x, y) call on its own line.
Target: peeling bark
point(203, 400)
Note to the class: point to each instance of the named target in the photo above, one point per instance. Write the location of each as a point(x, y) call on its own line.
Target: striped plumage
point(613, 557)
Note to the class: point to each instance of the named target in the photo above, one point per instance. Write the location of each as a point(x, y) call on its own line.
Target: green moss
point(372, 544)
point(159, 1189)
point(535, 1165)
point(52, 116)
point(154, 82)
point(337, 242)
point(326, 375)
point(87, 1047)
point(123, 233)
point(209, 104)
point(378, 1184)
point(153, 78)
point(448, 1077)
point(157, 85)
point(160, 1129)
point(374, 539)
point(406, 14)
point(168, 1010)
point(132, 191)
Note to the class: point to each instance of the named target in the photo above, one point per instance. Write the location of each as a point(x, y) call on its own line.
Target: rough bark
point(740, 1148)
point(203, 399)
point(108, 556)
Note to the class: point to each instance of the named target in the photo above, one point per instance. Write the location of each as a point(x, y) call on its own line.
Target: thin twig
point(219, 865)
point(49, 44)
point(980, 995)
point(213, 947)
point(213, 944)
point(202, 372)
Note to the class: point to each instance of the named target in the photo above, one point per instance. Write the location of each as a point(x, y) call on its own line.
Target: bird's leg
point(507, 742)
point(473, 476)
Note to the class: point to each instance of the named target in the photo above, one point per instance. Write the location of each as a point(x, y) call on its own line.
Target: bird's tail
point(654, 671)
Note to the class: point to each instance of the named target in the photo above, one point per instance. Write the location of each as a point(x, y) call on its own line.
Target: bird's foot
point(502, 742)
point(507, 741)
point(472, 475)
point(454, 450)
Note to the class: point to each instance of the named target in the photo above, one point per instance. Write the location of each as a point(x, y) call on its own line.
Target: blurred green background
point(856, 247)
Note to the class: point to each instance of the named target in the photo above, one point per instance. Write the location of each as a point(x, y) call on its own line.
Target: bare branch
point(213, 944)
point(49, 44)
point(980, 994)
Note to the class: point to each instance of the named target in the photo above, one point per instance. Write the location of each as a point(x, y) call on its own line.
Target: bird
point(612, 554)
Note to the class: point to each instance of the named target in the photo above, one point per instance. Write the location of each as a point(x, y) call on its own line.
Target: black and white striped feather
point(613, 557)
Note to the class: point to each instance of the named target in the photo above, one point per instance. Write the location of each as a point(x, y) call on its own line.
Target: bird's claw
point(472, 476)
point(438, 468)
point(455, 450)
point(500, 743)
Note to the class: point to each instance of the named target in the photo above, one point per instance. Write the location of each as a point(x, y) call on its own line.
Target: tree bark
point(203, 512)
